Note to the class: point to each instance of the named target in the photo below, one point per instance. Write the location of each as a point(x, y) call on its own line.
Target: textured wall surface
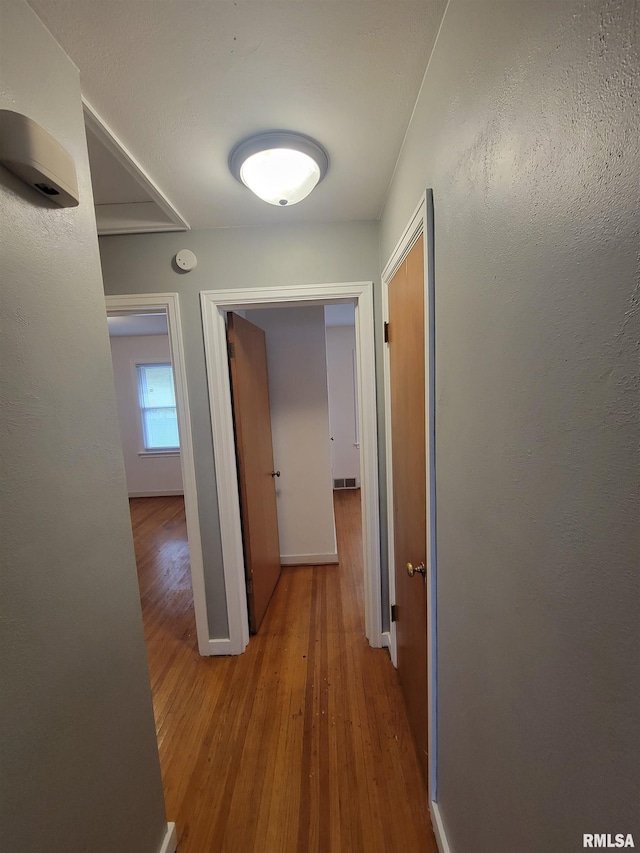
point(527, 129)
point(297, 363)
point(239, 257)
point(79, 760)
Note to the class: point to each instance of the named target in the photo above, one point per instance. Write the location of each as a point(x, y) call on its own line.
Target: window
point(158, 407)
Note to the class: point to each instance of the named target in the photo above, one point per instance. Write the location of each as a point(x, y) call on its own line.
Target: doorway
point(156, 430)
point(293, 377)
point(215, 305)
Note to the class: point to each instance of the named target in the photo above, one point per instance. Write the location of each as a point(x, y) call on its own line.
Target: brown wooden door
point(407, 369)
point(252, 417)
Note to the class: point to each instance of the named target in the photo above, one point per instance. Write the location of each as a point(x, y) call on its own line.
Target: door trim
point(170, 302)
point(421, 222)
point(214, 305)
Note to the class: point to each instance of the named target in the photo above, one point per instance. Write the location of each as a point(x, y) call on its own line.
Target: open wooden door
point(407, 375)
point(256, 474)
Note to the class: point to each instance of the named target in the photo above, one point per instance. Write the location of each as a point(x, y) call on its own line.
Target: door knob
point(275, 473)
point(412, 570)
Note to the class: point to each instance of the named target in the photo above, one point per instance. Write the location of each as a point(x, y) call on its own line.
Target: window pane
point(160, 429)
point(158, 407)
point(156, 385)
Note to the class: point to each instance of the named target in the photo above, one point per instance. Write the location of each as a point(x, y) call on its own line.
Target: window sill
point(159, 453)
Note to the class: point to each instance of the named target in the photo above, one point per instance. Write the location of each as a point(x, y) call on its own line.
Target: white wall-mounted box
point(31, 153)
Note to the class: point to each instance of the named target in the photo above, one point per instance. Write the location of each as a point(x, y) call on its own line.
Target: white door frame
point(147, 303)
point(420, 223)
point(214, 305)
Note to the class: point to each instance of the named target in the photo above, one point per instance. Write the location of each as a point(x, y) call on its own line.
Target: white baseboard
point(309, 559)
point(438, 829)
point(170, 840)
point(386, 640)
point(163, 493)
point(221, 647)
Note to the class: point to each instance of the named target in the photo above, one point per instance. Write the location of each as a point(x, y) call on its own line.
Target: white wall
point(297, 364)
point(146, 475)
point(527, 128)
point(241, 257)
point(78, 750)
point(341, 380)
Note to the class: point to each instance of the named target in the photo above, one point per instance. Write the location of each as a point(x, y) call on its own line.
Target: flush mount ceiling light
point(280, 168)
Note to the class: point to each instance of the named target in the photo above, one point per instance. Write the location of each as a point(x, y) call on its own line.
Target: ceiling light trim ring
point(277, 139)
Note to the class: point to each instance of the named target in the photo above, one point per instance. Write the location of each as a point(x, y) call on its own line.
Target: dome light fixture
point(280, 167)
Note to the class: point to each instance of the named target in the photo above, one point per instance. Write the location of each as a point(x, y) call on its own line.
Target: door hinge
point(386, 333)
point(394, 612)
point(231, 349)
point(249, 586)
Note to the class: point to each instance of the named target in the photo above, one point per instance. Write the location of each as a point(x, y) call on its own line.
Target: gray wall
point(79, 759)
point(227, 258)
point(527, 130)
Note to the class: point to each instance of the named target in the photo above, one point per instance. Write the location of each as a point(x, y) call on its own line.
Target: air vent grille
point(346, 483)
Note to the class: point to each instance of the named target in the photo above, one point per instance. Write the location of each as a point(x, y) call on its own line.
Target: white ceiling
point(179, 82)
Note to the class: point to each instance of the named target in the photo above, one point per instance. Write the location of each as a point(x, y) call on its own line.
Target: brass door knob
point(412, 570)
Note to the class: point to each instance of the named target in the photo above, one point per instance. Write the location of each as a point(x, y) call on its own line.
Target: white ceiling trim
point(113, 144)
point(138, 217)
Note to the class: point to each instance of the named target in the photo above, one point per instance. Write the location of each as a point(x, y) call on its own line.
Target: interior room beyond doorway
point(312, 375)
point(147, 416)
point(309, 366)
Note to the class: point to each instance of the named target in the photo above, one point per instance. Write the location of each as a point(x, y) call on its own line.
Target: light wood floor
point(300, 744)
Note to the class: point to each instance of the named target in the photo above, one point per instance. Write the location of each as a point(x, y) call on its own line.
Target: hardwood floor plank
point(301, 744)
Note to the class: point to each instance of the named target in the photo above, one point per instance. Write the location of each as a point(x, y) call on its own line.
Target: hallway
point(301, 743)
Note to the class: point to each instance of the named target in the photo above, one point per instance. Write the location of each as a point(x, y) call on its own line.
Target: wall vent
point(345, 483)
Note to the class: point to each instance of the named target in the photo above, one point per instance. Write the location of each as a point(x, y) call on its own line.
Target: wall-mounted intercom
point(31, 153)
